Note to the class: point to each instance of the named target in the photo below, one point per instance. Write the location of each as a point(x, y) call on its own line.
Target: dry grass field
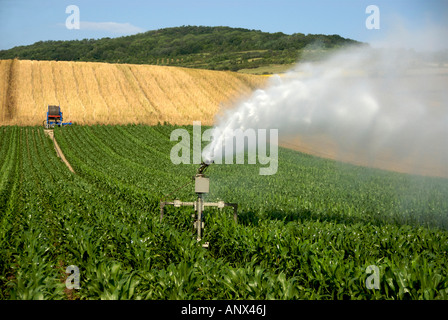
point(90, 93)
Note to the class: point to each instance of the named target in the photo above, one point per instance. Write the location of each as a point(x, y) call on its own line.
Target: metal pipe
point(199, 221)
point(162, 206)
point(196, 204)
point(235, 212)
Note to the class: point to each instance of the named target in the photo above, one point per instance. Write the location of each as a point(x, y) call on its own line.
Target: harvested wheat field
point(90, 92)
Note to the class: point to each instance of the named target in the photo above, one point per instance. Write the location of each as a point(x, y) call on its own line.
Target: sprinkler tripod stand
point(202, 186)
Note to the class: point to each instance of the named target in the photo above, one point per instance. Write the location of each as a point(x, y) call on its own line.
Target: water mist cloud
point(369, 101)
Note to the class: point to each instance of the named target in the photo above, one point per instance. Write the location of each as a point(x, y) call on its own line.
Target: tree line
point(221, 48)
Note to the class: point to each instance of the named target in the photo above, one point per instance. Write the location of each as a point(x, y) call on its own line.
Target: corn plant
point(308, 232)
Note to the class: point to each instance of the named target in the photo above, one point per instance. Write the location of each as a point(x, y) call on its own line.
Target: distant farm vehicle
point(54, 118)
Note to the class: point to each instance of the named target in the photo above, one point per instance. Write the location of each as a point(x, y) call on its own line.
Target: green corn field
point(310, 231)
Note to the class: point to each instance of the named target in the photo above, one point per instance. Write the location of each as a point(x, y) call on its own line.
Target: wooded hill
point(215, 48)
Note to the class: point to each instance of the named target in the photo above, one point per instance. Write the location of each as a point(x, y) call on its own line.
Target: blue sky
point(24, 22)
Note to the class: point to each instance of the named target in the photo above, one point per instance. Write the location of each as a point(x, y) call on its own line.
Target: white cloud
point(114, 27)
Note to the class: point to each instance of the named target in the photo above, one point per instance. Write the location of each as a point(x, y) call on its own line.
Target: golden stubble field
point(103, 93)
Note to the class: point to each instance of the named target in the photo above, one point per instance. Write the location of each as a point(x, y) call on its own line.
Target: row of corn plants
point(308, 232)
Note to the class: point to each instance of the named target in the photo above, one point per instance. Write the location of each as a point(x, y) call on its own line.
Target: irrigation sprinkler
point(201, 187)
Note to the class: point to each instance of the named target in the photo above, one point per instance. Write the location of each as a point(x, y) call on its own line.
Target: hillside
point(219, 48)
point(90, 93)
